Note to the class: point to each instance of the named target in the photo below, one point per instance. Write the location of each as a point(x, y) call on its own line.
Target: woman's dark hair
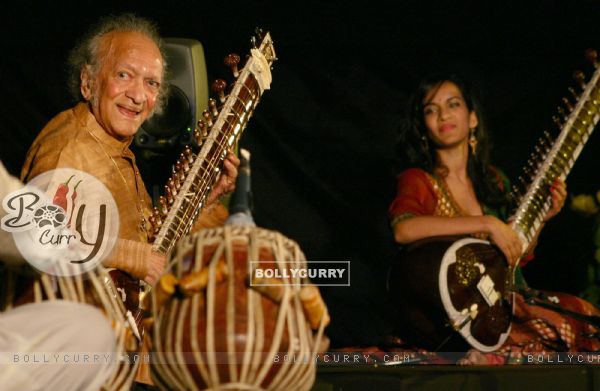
point(419, 151)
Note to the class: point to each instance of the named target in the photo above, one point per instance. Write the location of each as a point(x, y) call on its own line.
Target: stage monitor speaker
point(187, 98)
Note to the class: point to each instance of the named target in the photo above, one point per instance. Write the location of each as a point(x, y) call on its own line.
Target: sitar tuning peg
point(567, 104)
point(188, 154)
point(180, 171)
point(162, 206)
point(574, 93)
point(543, 144)
point(592, 56)
point(169, 195)
point(198, 137)
point(155, 228)
point(523, 182)
point(207, 118)
point(185, 165)
point(212, 106)
point(232, 60)
point(203, 128)
point(253, 42)
point(562, 112)
point(174, 183)
point(579, 77)
point(218, 87)
point(528, 170)
point(540, 151)
point(534, 160)
point(516, 191)
point(173, 186)
point(547, 140)
point(557, 121)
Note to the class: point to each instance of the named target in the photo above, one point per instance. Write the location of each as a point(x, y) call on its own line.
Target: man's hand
point(226, 182)
point(156, 266)
point(559, 196)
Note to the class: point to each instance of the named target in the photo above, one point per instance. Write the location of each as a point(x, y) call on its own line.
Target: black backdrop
point(324, 138)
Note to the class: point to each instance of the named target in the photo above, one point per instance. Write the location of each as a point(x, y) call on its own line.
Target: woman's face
point(447, 116)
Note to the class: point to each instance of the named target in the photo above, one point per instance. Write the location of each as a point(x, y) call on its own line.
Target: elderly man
point(118, 74)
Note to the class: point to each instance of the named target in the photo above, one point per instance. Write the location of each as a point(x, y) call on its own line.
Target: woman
point(452, 189)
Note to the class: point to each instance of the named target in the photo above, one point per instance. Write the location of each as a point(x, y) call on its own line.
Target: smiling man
point(117, 74)
point(124, 91)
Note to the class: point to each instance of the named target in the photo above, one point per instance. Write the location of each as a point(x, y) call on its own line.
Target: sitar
point(195, 174)
point(453, 293)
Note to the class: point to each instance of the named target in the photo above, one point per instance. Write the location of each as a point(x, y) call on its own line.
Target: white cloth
point(8, 250)
point(52, 331)
point(58, 335)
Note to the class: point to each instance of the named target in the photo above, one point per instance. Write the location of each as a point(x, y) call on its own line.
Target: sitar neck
point(191, 185)
point(553, 161)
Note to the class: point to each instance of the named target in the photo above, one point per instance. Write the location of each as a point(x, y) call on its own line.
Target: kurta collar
point(86, 119)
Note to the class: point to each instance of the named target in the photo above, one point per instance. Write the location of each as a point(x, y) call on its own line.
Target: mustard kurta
point(74, 139)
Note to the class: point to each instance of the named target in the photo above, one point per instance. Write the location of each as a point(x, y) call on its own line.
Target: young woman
point(452, 189)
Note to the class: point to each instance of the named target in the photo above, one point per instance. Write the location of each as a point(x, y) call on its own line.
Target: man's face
point(125, 90)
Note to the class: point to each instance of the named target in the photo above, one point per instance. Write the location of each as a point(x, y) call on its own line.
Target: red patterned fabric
point(415, 195)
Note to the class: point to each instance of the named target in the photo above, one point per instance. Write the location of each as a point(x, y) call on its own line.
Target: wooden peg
point(198, 136)
point(567, 104)
point(557, 121)
point(157, 216)
point(579, 77)
point(218, 87)
point(172, 186)
point(592, 56)
point(212, 105)
point(162, 206)
point(180, 172)
point(207, 118)
point(574, 93)
point(232, 60)
point(169, 195)
point(189, 155)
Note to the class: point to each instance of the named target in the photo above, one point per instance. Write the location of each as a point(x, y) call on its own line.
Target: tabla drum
point(94, 287)
point(222, 329)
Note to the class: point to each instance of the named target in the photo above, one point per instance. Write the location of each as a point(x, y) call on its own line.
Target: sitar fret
point(575, 132)
point(225, 131)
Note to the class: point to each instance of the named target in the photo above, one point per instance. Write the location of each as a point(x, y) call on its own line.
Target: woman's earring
point(473, 140)
point(424, 143)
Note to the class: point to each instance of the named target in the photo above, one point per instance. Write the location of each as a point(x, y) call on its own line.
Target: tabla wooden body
point(94, 287)
point(451, 294)
point(230, 336)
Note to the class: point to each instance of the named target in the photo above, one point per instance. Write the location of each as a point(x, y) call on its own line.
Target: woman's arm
point(420, 227)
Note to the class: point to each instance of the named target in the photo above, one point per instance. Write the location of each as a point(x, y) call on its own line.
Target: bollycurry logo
point(64, 221)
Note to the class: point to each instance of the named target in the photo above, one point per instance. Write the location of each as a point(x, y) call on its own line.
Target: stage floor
point(464, 378)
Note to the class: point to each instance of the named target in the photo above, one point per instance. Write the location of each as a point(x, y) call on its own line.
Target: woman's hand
point(505, 238)
point(559, 196)
point(156, 266)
